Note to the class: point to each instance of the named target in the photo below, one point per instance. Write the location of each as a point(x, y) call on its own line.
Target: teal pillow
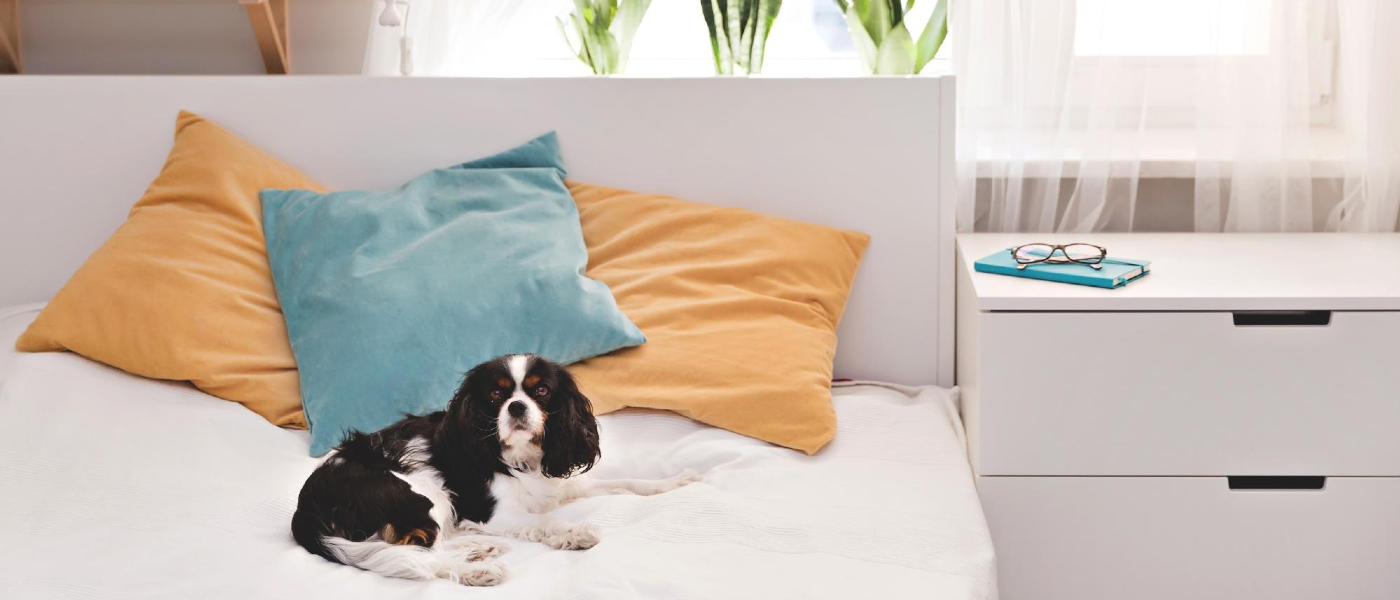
point(391, 296)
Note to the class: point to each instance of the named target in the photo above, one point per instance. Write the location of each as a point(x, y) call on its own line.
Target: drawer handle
point(1282, 318)
point(1275, 482)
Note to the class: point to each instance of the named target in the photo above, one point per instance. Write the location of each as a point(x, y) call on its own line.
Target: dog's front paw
point(574, 537)
point(474, 548)
point(481, 573)
point(488, 549)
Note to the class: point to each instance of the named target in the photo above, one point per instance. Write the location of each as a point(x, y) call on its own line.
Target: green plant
point(883, 41)
point(603, 31)
point(738, 33)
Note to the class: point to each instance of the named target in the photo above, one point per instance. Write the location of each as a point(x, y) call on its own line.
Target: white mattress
point(114, 486)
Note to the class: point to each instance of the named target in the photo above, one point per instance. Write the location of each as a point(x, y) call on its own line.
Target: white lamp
point(390, 17)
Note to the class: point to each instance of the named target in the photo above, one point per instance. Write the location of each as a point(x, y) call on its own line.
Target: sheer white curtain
point(439, 37)
point(1263, 115)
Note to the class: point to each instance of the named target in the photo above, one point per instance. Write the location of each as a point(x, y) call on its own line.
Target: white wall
point(184, 36)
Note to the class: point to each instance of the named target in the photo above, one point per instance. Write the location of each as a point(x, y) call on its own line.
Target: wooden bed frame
point(871, 154)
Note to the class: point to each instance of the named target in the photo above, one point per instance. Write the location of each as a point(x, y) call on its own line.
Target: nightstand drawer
point(1168, 538)
point(1188, 393)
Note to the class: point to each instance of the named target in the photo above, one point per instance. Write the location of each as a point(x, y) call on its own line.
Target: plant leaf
point(743, 55)
point(603, 13)
point(714, 23)
point(877, 20)
point(587, 50)
point(766, 13)
point(564, 33)
point(935, 31)
point(606, 47)
point(865, 47)
point(578, 49)
point(896, 55)
point(629, 18)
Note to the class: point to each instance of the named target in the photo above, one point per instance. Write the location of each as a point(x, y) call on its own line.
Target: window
point(1164, 55)
point(1181, 28)
point(809, 38)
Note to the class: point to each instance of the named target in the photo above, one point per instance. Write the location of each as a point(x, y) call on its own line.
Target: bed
point(122, 487)
point(115, 486)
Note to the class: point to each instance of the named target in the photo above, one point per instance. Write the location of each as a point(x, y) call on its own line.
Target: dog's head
point(528, 410)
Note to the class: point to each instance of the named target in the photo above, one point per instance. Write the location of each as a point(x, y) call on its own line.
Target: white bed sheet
point(114, 486)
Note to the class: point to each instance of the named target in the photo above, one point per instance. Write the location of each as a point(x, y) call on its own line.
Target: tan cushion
point(739, 309)
point(182, 290)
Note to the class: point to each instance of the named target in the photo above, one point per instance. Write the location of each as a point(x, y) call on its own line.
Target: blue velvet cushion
point(391, 296)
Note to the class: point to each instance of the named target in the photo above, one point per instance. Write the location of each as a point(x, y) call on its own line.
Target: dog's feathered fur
point(416, 498)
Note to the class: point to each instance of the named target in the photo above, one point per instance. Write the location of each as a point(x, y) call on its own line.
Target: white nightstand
point(1167, 439)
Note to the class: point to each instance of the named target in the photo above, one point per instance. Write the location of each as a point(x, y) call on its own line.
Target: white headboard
point(871, 154)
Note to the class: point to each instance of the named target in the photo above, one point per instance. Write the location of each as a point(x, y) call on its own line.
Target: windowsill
point(1161, 153)
point(811, 67)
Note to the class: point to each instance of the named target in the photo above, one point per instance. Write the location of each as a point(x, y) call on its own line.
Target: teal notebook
point(1116, 272)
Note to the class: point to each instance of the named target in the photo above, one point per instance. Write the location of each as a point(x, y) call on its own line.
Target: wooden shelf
point(269, 19)
point(11, 58)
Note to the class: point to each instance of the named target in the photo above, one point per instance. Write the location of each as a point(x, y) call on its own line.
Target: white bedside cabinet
point(1225, 427)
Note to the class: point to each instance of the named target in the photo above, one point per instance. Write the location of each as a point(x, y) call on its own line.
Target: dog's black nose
point(516, 408)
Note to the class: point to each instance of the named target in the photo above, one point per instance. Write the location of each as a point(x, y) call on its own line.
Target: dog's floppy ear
point(461, 399)
point(466, 424)
point(570, 441)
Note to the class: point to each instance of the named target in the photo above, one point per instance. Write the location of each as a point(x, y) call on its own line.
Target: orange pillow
point(739, 309)
point(182, 290)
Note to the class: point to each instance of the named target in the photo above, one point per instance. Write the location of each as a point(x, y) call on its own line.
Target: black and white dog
point(416, 499)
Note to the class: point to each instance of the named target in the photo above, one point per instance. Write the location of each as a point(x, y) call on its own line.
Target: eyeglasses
point(1084, 254)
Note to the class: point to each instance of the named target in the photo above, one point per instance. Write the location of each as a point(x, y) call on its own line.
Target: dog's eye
point(541, 390)
point(497, 394)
